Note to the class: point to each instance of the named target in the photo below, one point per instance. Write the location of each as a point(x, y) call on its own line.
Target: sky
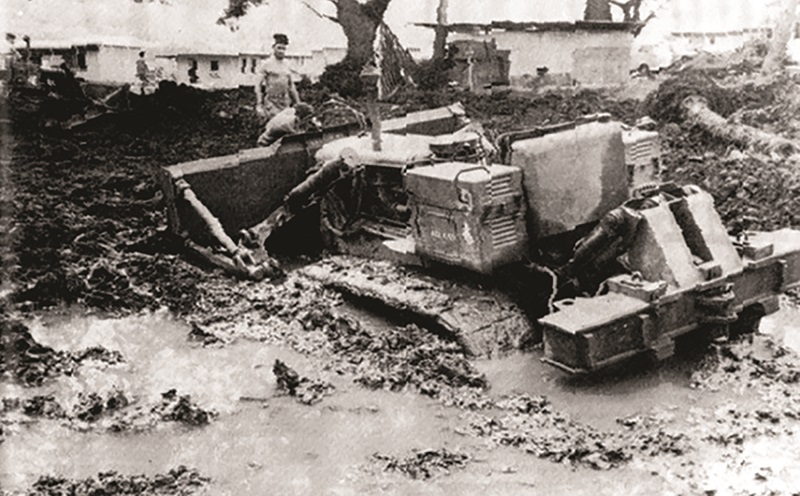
point(192, 23)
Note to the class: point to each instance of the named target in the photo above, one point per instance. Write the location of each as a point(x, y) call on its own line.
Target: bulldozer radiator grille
point(504, 231)
point(500, 187)
point(641, 151)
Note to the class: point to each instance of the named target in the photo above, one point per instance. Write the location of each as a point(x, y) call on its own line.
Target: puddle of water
point(784, 326)
point(276, 445)
point(281, 447)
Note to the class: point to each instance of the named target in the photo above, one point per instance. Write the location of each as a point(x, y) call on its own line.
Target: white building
point(220, 69)
point(103, 62)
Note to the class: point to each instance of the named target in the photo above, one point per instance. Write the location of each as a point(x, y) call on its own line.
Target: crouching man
point(291, 120)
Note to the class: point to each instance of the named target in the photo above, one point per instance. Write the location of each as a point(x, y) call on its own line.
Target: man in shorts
point(275, 89)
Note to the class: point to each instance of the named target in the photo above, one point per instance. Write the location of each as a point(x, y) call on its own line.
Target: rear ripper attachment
point(686, 274)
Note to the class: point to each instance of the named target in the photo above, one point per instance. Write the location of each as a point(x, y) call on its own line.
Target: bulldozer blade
point(484, 323)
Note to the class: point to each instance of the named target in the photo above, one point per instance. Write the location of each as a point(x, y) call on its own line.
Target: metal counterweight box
point(468, 215)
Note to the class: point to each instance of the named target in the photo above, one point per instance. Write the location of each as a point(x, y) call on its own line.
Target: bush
point(433, 74)
point(343, 78)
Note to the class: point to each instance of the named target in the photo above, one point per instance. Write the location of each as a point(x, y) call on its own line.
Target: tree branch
point(237, 9)
point(320, 14)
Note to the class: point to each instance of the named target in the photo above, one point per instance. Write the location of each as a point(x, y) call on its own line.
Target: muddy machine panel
point(572, 176)
point(468, 215)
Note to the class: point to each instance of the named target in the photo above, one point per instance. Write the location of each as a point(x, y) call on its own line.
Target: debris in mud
point(271, 313)
point(181, 409)
point(91, 406)
point(307, 391)
point(530, 424)
point(112, 410)
point(30, 363)
point(398, 357)
point(424, 464)
point(180, 480)
point(42, 406)
point(730, 425)
point(197, 334)
point(748, 362)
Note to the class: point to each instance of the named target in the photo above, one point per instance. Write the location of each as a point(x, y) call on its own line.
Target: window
point(253, 63)
point(244, 65)
point(215, 65)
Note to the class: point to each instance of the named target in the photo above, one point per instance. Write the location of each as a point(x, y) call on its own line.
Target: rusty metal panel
point(572, 177)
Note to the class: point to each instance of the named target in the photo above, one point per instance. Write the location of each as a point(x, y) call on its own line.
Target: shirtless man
point(275, 88)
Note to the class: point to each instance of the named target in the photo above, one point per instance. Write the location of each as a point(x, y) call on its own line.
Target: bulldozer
point(634, 263)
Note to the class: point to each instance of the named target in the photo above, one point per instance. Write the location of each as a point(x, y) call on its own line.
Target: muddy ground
point(129, 368)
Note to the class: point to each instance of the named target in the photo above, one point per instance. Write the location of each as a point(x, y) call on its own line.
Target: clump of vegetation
point(343, 78)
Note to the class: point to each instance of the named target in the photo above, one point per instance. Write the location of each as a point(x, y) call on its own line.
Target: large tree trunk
point(440, 37)
point(360, 22)
point(697, 112)
point(780, 37)
point(597, 10)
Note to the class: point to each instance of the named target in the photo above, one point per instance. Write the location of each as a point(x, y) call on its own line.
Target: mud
point(112, 410)
point(180, 480)
point(423, 464)
point(752, 191)
point(483, 320)
point(307, 391)
point(89, 229)
point(533, 425)
point(31, 364)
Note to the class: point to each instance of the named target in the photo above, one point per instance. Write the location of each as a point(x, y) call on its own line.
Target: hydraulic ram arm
point(300, 197)
point(238, 258)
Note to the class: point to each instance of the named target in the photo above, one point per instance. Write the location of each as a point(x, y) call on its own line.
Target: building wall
point(559, 51)
point(242, 69)
point(716, 42)
point(601, 66)
point(109, 64)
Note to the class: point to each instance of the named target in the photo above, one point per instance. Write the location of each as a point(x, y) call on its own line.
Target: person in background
point(141, 68)
point(275, 89)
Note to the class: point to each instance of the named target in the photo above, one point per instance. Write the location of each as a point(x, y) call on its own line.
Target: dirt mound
point(665, 103)
point(180, 480)
point(88, 209)
point(509, 111)
point(751, 191)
